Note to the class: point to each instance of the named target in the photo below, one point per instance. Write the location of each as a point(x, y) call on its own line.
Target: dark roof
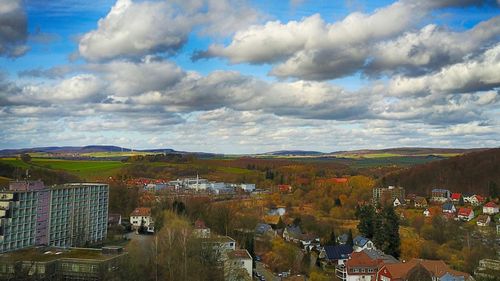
point(360, 241)
point(294, 231)
point(447, 206)
point(338, 252)
point(262, 228)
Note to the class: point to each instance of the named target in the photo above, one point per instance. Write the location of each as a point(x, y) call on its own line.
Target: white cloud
point(133, 29)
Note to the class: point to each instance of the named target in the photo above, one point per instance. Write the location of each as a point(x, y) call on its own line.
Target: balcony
point(341, 272)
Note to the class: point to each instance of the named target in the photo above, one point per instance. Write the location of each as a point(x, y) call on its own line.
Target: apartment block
point(388, 194)
point(32, 214)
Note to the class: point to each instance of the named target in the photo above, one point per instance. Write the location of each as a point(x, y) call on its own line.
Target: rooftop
point(141, 211)
point(46, 254)
point(239, 254)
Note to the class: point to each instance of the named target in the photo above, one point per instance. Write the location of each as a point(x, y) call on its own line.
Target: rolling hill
point(470, 173)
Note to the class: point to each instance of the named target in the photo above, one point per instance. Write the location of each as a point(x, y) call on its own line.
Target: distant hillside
point(469, 173)
point(293, 153)
point(408, 151)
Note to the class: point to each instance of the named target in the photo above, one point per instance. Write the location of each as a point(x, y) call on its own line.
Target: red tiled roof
point(361, 259)
point(464, 211)
point(479, 198)
point(491, 205)
point(141, 211)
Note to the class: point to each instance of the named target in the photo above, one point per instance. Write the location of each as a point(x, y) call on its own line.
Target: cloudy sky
point(237, 76)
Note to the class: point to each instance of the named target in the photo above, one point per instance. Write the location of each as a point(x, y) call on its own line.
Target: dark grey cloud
point(55, 72)
point(13, 28)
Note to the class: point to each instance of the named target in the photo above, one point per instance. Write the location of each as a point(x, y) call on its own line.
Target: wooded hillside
point(470, 173)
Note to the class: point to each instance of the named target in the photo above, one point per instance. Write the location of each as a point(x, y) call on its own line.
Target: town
point(250, 140)
point(66, 232)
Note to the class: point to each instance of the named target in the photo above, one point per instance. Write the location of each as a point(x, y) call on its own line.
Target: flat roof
point(46, 254)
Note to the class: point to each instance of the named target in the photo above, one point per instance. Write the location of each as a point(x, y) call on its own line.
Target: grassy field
point(84, 169)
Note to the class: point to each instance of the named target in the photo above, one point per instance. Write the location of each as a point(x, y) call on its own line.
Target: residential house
point(361, 243)
point(476, 200)
point(465, 214)
point(421, 270)
point(238, 265)
point(455, 197)
point(363, 265)
point(420, 202)
point(335, 255)
point(490, 208)
point(216, 247)
point(440, 195)
point(263, 229)
point(200, 229)
point(397, 202)
point(293, 233)
point(403, 272)
point(488, 269)
point(410, 199)
point(449, 208)
point(483, 220)
point(442, 272)
point(141, 216)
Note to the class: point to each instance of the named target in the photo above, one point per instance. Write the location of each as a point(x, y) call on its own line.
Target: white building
point(238, 265)
point(142, 217)
point(248, 187)
point(361, 243)
point(490, 208)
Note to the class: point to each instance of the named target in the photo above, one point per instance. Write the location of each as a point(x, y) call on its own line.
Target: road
point(260, 268)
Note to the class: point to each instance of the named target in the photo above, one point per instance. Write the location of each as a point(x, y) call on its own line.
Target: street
point(260, 268)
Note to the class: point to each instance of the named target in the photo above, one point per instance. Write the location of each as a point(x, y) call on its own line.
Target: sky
point(238, 76)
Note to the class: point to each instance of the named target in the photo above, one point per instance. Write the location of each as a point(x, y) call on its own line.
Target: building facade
point(389, 194)
point(67, 215)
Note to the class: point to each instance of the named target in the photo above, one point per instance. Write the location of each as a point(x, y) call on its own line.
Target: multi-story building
point(65, 215)
point(440, 195)
point(388, 194)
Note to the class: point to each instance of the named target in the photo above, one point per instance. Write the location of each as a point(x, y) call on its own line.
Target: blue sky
point(236, 76)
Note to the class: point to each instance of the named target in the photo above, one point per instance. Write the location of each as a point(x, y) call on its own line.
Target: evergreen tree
point(392, 245)
point(333, 239)
point(366, 221)
point(349, 238)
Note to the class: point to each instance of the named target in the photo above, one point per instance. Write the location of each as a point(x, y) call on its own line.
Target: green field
point(84, 169)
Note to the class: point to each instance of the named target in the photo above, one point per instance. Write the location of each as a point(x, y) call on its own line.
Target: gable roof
point(294, 231)
point(491, 205)
point(439, 268)
point(141, 212)
point(262, 228)
point(465, 212)
point(338, 252)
